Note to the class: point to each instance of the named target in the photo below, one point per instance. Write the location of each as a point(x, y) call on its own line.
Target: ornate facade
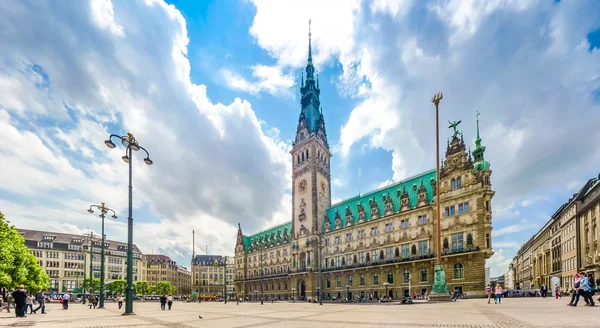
point(376, 243)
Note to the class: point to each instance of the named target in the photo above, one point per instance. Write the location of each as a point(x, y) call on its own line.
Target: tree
point(117, 287)
point(95, 284)
point(17, 265)
point(164, 288)
point(142, 288)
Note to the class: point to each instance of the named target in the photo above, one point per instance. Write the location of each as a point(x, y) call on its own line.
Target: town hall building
point(379, 243)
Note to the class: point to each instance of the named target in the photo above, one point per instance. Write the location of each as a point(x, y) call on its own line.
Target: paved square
point(473, 313)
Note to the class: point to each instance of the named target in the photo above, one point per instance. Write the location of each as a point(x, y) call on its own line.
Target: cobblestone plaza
point(472, 313)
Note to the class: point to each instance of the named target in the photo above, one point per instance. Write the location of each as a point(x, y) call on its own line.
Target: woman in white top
point(170, 301)
point(29, 304)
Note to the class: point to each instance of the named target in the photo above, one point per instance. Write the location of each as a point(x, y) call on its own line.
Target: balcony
point(460, 251)
point(371, 264)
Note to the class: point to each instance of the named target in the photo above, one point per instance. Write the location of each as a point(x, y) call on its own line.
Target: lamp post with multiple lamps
point(294, 294)
point(131, 145)
point(103, 211)
point(225, 279)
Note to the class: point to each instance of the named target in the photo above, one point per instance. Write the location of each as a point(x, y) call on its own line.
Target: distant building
point(487, 275)
point(66, 258)
point(509, 277)
point(210, 277)
point(498, 280)
point(162, 268)
point(566, 244)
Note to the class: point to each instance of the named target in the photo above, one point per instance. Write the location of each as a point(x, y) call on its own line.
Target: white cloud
point(338, 182)
point(385, 183)
point(513, 229)
point(270, 79)
point(535, 199)
point(498, 263)
point(506, 244)
point(214, 166)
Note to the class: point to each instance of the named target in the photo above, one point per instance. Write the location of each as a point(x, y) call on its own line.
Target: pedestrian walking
point(40, 299)
point(574, 291)
point(66, 298)
point(92, 301)
point(557, 291)
point(120, 301)
point(544, 290)
point(583, 290)
point(592, 290)
point(163, 302)
point(488, 292)
point(237, 300)
point(170, 301)
point(498, 294)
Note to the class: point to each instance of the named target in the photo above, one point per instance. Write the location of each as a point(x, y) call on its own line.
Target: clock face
point(323, 186)
point(302, 185)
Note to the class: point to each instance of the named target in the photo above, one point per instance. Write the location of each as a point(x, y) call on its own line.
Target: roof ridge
point(268, 229)
point(384, 187)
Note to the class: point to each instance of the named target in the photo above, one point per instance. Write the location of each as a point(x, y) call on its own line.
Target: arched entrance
point(301, 289)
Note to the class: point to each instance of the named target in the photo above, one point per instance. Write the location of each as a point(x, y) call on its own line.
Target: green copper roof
point(411, 184)
point(480, 163)
point(272, 237)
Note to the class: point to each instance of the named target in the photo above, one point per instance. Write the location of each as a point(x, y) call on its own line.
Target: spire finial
point(302, 79)
point(309, 42)
point(317, 80)
point(478, 124)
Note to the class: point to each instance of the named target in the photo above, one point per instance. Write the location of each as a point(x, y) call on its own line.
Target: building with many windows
point(210, 275)
point(162, 268)
point(67, 261)
point(565, 245)
point(379, 242)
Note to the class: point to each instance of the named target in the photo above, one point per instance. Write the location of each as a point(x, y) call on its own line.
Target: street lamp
point(261, 274)
point(319, 294)
point(103, 210)
point(386, 284)
point(348, 293)
point(90, 237)
point(319, 260)
point(131, 145)
point(294, 294)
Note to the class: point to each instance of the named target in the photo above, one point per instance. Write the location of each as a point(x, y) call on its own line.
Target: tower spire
point(478, 140)
point(309, 43)
point(480, 163)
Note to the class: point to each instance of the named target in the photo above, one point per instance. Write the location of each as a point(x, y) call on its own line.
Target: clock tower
point(311, 193)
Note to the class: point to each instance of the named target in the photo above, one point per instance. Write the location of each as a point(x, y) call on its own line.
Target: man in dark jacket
point(163, 302)
point(40, 298)
point(19, 296)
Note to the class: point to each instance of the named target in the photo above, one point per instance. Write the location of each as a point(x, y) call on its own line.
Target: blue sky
point(211, 88)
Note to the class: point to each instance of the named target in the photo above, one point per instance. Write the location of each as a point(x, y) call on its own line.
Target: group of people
point(165, 300)
point(585, 287)
point(495, 293)
point(23, 302)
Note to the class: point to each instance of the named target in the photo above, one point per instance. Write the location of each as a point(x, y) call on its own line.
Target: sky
point(211, 90)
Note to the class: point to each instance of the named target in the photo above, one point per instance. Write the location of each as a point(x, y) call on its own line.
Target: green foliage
point(17, 265)
point(142, 288)
point(117, 287)
point(95, 284)
point(164, 288)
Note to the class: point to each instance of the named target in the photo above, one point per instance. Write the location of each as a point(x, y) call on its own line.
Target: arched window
point(303, 160)
point(406, 276)
point(307, 154)
point(381, 258)
point(458, 271)
point(362, 280)
point(423, 274)
point(452, 184)
point(368, 258)
point(469, 240)
point(390, 277)
point(458, 183)
point(397, 252)
point(298, 159)
point(413, 250)
point(355, 261)
point(343, 261)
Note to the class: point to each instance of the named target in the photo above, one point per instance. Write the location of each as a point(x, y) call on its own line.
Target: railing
point(460, 251)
